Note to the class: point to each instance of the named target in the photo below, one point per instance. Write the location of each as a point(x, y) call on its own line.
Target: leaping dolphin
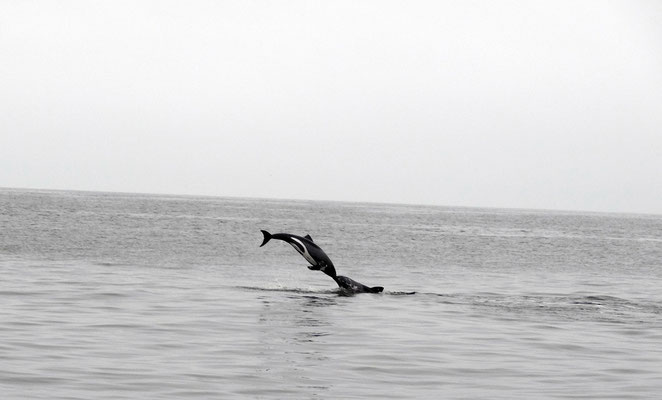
point(319, 261)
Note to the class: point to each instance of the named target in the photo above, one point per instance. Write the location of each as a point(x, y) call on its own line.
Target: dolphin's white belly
point(303, 252)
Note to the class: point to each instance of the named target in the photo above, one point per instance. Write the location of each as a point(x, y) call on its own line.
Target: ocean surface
point(129, 296)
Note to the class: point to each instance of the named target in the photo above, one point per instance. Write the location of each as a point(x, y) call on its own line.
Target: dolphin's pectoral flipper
point(314, 267)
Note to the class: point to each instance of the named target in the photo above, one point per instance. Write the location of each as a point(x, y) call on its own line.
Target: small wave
point(597, 299)
point(400, 293)
point(110, 294)
point(109, 264)
point(287, 290)
point(19, 293)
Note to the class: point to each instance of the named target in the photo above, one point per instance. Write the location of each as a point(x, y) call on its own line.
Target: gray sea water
point(126, 296)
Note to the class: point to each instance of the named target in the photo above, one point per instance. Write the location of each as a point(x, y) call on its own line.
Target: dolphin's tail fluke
point(267, 237)
point(376, 289)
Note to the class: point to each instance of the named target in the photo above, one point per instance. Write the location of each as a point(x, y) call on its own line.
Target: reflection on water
point(291, 342)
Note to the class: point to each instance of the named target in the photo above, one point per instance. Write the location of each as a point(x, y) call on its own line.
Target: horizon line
point(390, 203)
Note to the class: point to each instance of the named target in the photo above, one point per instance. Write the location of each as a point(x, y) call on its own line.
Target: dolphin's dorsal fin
point(308, 237)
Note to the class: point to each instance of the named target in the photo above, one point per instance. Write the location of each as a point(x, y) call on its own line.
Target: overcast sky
point(519, 104)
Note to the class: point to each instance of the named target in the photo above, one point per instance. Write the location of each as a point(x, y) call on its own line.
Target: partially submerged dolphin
point(319, 261)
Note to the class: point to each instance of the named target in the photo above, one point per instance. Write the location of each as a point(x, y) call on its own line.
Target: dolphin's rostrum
point(319, 260)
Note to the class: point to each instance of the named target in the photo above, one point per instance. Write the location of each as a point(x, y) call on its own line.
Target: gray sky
point(526, 104)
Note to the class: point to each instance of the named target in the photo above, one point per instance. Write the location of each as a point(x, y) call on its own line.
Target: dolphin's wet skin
point(319, 261)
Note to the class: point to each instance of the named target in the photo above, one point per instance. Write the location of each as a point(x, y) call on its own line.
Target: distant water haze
point(543, 105)
point(111, 296)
